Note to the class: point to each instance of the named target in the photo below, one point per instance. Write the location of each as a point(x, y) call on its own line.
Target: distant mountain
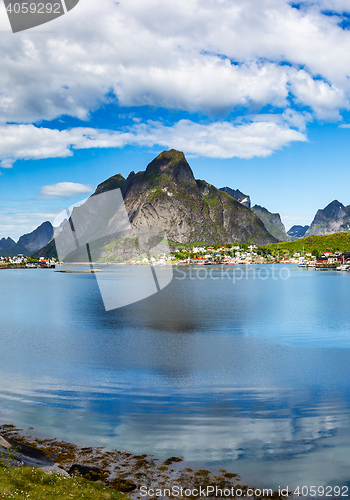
point(237, 195)
point(297, 231)
point(31, 242)
point(272, 222)
point(6, 243)
point(168, 197)
point(335, 218)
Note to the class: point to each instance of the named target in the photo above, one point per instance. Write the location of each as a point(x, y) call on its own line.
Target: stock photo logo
point(24, 15)
point(98, 230)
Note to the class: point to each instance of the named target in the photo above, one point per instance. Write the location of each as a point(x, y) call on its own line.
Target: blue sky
point(256, 94)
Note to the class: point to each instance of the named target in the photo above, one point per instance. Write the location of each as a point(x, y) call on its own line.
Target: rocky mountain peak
point(334, 209)
point(6, 243)
point(114, 182)
point(334, 218)
point(173, 164)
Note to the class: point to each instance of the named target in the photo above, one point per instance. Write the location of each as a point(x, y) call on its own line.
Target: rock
point(123, 485)
point(91, 473)
point(171, 460)
point(334, 218)
point(4, 443)
point(54, 469)
point(30, 452)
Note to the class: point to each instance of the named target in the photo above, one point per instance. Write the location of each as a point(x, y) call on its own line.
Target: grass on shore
point(26, 482)
point(314, 244)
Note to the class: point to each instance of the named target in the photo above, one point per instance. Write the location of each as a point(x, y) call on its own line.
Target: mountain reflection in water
point(250, 374)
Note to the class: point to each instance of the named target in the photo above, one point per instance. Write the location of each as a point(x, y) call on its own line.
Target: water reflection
point(250, 374)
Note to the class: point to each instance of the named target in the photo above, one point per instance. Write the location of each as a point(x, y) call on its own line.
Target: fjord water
point(242, 368)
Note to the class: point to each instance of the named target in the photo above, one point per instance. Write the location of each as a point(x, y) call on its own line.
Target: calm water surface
point(246, 368)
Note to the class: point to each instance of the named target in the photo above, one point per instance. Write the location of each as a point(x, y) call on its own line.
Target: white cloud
point(64, 190)
point(219, 139)
point(216, 140)
point(177, 54)
point(325, 100)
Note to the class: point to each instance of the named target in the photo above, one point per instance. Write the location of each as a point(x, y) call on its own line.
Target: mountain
point(272, 223)
point(31, 242)
point(237, 195)
point(6, 243)
point(334, 218)
point(166, 197)
point(297, 231)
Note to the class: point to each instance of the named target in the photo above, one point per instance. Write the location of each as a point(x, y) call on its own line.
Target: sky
point(255, 93)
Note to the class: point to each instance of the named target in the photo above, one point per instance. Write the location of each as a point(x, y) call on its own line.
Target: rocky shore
point(137, 476)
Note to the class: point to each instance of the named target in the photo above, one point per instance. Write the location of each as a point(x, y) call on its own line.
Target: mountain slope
point(272, 223)
point(188, 210)
point(31, 242)
point(334, 218)
point(237, 195)
point(6, 243)
point(167, 198)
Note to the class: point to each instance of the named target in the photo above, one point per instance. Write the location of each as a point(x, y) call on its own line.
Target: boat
point(344, 267)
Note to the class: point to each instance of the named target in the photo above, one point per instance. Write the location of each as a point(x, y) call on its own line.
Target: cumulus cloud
point(198, 55)
point(219, 139)
point(64, 190)
point(216, 140)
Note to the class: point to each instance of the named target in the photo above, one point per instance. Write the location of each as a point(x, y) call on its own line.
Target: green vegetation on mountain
point(115, 182)
point(317, 245)
point(168, 196)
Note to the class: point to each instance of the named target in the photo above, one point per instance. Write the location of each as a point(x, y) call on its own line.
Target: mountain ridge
point(272, 222)
point(167, 196)
point(29, 243)
point(334, 218)
point(238, 195)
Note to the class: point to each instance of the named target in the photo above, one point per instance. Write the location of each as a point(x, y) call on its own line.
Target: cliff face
point(335, 218)
point(188, 210)
point(272, 222)
point(167, 199)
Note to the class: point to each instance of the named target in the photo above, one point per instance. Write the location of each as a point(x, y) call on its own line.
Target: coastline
point(133, 475)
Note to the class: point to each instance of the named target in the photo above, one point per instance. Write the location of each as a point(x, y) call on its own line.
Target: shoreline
point(131, 474)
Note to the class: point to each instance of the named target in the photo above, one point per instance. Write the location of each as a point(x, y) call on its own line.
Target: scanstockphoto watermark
point(211, 491)
point(24, 14)
point(98, 229)
point(234, 274)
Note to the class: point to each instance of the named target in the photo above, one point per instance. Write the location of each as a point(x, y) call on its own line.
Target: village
point(244, 254)
point(20, 261)
point(208, 255)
